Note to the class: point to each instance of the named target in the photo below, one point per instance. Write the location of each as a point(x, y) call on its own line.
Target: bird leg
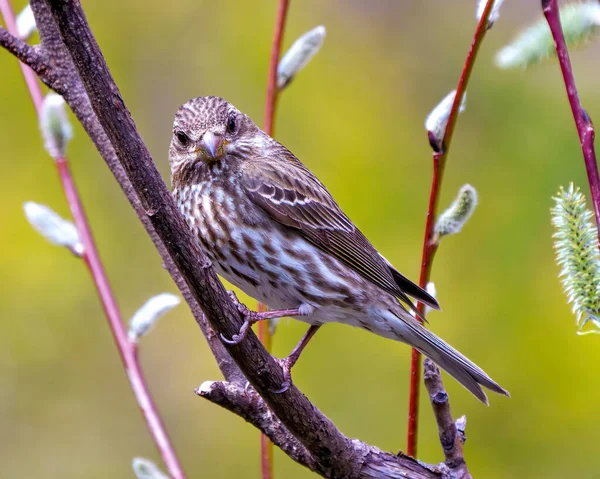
point(252, 317)
point(288, 363)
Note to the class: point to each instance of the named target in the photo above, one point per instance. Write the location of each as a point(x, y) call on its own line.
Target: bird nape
point(272, 229)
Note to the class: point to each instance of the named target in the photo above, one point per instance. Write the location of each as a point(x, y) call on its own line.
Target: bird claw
point(249, 319)
point(235, 339)
point(287, 375)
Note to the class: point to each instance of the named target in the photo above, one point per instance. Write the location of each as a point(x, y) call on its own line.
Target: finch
point(272, 229)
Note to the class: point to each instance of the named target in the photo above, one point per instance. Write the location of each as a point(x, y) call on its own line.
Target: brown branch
point(450, 438)
point(327, 449)
point(91, 257)
point(64, 79)
point(31, 59)
point(247, 404)
point(429, 245)
point(585, 128)
point(315, 431)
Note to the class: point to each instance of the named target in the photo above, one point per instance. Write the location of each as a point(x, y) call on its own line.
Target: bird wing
point(290, 194)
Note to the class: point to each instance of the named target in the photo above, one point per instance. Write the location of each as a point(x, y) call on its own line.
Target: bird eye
point(182, 138)
point(231, 125)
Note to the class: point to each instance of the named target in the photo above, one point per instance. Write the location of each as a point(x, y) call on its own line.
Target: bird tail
point(458, 366)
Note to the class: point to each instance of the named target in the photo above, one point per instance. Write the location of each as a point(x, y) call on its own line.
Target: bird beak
point(212, 144)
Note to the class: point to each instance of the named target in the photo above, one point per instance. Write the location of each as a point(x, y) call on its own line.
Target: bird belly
point(276, 266)
point(284, 271)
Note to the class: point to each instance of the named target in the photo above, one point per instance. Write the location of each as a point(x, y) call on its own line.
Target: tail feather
point(454, 363)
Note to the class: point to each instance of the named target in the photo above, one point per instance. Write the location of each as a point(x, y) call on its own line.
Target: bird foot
point(251, 317)
point(249, 320)
point(286, 364)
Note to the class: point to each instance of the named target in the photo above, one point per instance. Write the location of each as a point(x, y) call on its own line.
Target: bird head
point(208, 130)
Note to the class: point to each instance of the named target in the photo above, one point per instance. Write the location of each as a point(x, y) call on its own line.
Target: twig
point(247, 404)
point(127, 349)
point(451, 440)
point(91, 257)
point(583, 122)
point(430, 246)
point(272, 90)
point(266, 446)
point(28, 74)
point(377, 464)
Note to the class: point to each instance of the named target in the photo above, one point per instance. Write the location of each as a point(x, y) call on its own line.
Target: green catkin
point(576, 246)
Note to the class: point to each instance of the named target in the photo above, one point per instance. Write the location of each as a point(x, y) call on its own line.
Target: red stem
point(127, 350)
point(583, 122)
point(429, 246)
point(266, 446)
point(28, 74)
point(272, 90)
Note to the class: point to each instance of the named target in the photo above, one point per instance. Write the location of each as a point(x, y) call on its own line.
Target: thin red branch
point(28, 74)
point(272, 90)
point(266, 446)
point(585, 128)
point(127, 349)
point(429, 246)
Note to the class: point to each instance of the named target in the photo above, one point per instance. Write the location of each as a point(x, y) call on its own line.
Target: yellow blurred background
point(355, 117)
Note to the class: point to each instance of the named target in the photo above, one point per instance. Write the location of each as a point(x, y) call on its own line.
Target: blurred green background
point(355, 117)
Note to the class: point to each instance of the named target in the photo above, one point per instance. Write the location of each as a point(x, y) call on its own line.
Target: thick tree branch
point(317, 433)
point(247, 404)
point(64, 79)
point(77, 70)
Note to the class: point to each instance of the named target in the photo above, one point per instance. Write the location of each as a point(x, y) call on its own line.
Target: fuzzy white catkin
point(576, 247)
point(146, 317)
point(52, 227)
point(55, 126)
point(580, 22)
point(494, 14)
point(299, 55)
point(146, 469)
point(26, 25)
point(437, 120)
point(454, 218)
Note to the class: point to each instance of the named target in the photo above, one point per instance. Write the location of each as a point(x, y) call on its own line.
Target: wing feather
point(288, 192)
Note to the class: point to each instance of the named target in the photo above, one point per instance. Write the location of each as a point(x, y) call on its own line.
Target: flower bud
point(55, 126)
point(299, 55)
point(146, 317)
point(146, 469)
point(52, 227)
point(494, 14)
point(580, 21)
point(436, 122)
point(454, 218)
